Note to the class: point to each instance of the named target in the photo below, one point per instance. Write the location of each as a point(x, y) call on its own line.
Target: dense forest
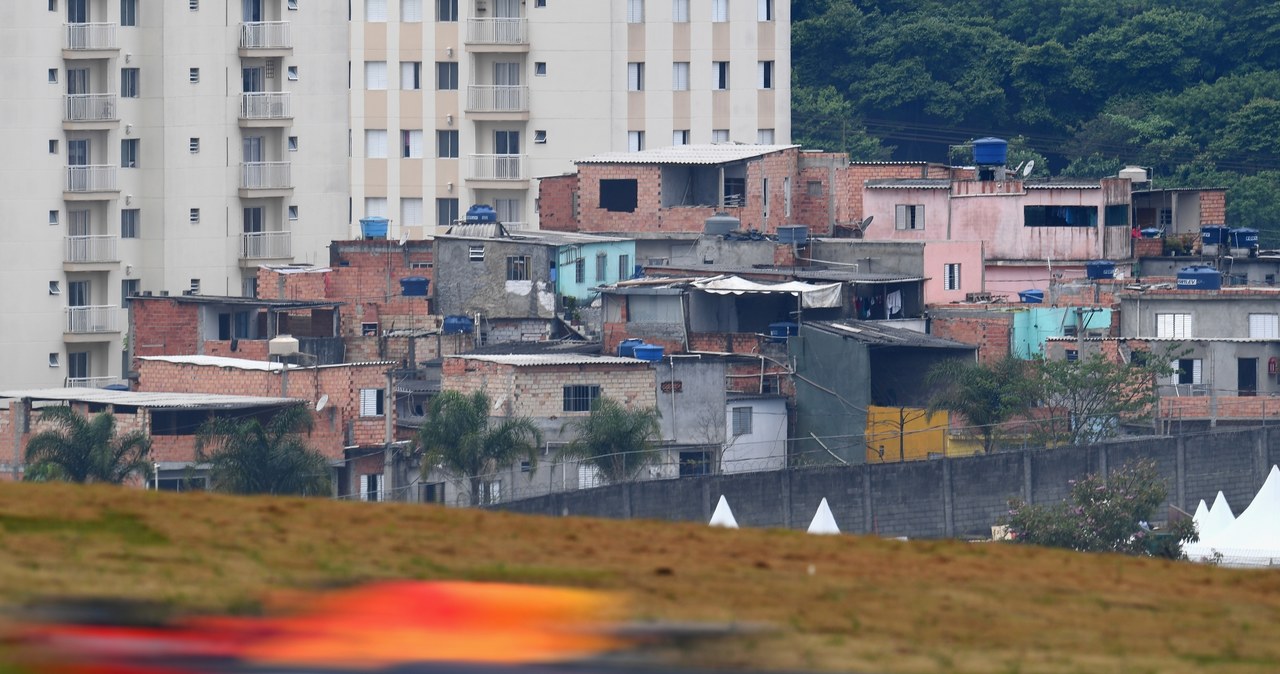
point(1189, 89)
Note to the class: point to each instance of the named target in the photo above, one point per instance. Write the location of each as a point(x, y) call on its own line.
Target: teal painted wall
point(1031, 326)
point(567, 284)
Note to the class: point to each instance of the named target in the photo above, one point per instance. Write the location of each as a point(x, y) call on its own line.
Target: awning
point(812, 295)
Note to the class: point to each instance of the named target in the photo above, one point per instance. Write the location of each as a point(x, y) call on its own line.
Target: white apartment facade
point(459, 102)
point(158, 146)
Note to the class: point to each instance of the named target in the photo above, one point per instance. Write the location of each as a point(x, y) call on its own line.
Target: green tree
point(1105, 515)
point(617, 441)
point(460, 438)
point(1091, 396)
point(79, 449)
point(246, 456)
point(985, 395)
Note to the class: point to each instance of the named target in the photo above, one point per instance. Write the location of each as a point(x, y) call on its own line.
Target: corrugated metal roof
point(149, 399)
point(1063, 185)
point(909, 184)
point(533, 360)
point(706, 154)
point(1225, 340)
point(243, 301)
point(828, 274)
point(874, 332)
point(249, 364)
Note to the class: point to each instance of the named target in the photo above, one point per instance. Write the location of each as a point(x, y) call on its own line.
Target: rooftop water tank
point(721, 224)
point(627, 347)
point(373, 228)
point(458, 325)
point(1135, 174)
point(990, 152)
point(1243, 238)
point(414, 286)
point(1098, 269)
point(649, 352)
point(480, 214)
point(793, 234)
point(1031, 296)
point(1199, 277)
point(779, 332)
point(1214, 234)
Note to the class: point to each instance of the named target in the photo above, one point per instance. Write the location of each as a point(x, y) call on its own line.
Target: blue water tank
point(1031, 296)
point(1243, 237)
point(414, 286)
point(627, 347)
point(481, 213)
point(1199, 277)
point(1098, 269)
point(793, 234)
point(649, 352)
point(990, 152)
point(454, 325)
point(1214, 234)
point(373, 228)
point(779, 332)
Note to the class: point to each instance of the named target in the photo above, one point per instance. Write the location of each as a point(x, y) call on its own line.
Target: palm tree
point(248, 457)
point(617, 441)
point(459, 438)
point(986, 395)
point(79, 449)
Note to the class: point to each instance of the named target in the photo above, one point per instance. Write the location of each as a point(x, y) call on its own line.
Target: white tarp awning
point(812, 295)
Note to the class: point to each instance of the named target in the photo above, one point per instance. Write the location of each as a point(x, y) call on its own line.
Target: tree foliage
point(1089, 397)
point(986, 395)
point(1105, 515)
point(246, 456)
point(617, 441)
point(79, 449)
point(459, 438)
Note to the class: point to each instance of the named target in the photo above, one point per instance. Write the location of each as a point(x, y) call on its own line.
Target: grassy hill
point(837, 603)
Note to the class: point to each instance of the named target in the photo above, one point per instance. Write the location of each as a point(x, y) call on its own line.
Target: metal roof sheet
point(1063, 185)
point(875, 332)
point(828, 274)
point(533, 360)
point(150, 399)
point(243, 301)
point(249, 364)
point(909, 184)
point(706, 154)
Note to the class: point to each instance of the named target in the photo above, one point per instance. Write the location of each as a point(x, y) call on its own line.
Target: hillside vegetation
point(835, 603)
point(1191, 89)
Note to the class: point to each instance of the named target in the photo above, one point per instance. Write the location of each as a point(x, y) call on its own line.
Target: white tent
point(823, 521)
point(1252, 539)
point(723, 516)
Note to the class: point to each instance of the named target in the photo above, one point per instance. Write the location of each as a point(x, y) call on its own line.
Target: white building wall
point(765, 447)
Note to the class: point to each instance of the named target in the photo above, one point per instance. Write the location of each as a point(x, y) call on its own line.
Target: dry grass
point(868, 605)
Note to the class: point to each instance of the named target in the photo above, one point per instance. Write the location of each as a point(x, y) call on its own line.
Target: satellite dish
point(324, 400)
point(404, 236)
point(865, 222)
point(1031, 165)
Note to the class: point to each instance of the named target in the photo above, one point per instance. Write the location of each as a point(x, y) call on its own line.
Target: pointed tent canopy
point(1253, 538)
point(723, 516)
point(823, 521)
point(1218, 518)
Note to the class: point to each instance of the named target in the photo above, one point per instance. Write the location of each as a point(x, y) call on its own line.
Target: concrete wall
point(938, 498)
point(939, 254)
point(765, 447)
point(1213, 314)
point(466, 287)
point(690, 398)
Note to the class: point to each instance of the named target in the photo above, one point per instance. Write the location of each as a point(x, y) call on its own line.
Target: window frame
point(741, 418)
point(578, 398)
point(447, 143)
point(447, 11)
point(908, 217)
point(1171, 325)
point(446, 75)
point(372, 400)
point(518, 268)
point(130, 83)
point(951, 276)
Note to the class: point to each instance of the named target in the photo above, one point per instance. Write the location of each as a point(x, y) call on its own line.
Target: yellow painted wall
point(921, 434)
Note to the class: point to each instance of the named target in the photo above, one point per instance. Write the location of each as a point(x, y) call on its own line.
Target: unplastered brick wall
point(538, 391)
point(1213, 207)
point(852, 179)
point(555, 203)
point(127, 420)
point(274, 284)
point(164, 327)
point(989, 331)
point(366, 276)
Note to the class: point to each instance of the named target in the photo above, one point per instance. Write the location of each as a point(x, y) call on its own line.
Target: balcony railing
point(265, 35)
point(498, 31)
point(265, 175)
point(497, 98)
point(498, 167)
point(91, 108)
point(89, 36)
point(91, 178)
point(266, 245)
point(92, 382)
point(94, 248)
point(93, 319)
point(264, 105)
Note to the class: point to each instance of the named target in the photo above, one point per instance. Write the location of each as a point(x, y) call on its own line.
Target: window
point(55, 288)
point(764, 195)
point(411, 75)
point(53, 217)
point(539, 68)
point(602, 267)
point(909, 216)
point(680, 11)
point(128, 288)
point(53, 360)
point(129, 153)
point(193, 145)
point(446, 75)
point(293, 143)
point(764, 72)
point(293, 212)
point(411, 143)
point(411, 211)
point(411, 10)
point(720, 75)
point(694, 463)
point(635, 77)
point(128, 12)
point(635, 11)
point(193, 215)
point(371, 402)
point(293, 4)
point(375, 10)
point(518, 268)
point(1116, 216)
point(447, 144)
point(369, 487)
point(53, 146)
point(618, 195)
point(53, 76)
point(540, 136)
point(1165, 218)
point(375, 207)
point(741, 421)
point(193, 5)
point(1060, 216)
point(369, 329)
point(446, 10)
point(680, 137)
point(580, 270)
point(193, 75)
point(1073, 354)
point(624, 267)
point(446, 211)
point(635, 141)
point(375, 75)
point(680, 76)
point(764, 11)
point(764, 136)
point(433, 492)
point(951, 276)
point(539, 3)
point(1173, 326)
point(129, 82)
point(375, 143)
point(53, 5)
point(475, 252)
point(813, 188)
point(719, 10)
point(719, 135)
point(579, 398)
point(1264, 326)
point(786, 195)
point(195, 286)
point(292, 73)
point(1187, 371)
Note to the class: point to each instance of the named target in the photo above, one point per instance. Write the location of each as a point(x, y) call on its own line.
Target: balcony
point(262, 36)
point(261, 177)
point(501, 33)
point(88, 110)
point(90, 250)
point(87, 181)
point(266, 246)
point(93, 320)
point(489, 98)
point(265, 109)
point(498, 167)
point(93, 382)
point(85, 38)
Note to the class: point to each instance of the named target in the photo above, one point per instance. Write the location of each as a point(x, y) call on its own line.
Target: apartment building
point(456, 102)
point(158, 146)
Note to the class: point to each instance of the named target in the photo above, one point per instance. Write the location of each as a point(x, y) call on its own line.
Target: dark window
point(517, 267)
point(1117, 216)
point(624, 267)
point(1060, 216)
point(446, 10)
point(129, 85)
point(433, 493)
point(128, 288)
point(741, 421)
point(580, 270)
point(129, 153)
point(579, 398)
point(695, 463)
point(446, 211)
point(177, 422)
point(446, 76)
point(447, 144)
point(618, 195)
point(128, 12)
point(602, 267)
point(130, 220)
